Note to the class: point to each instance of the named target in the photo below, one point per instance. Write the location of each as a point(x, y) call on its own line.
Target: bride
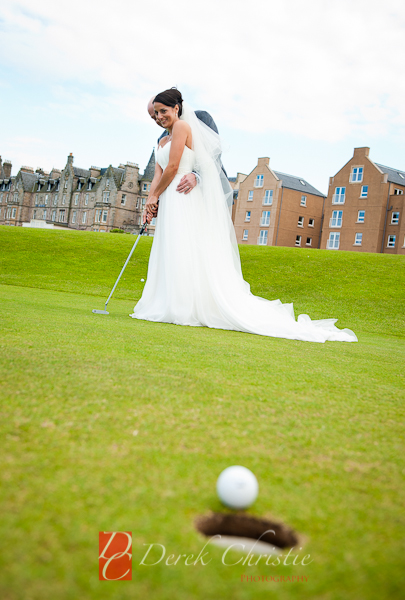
point(194, 273)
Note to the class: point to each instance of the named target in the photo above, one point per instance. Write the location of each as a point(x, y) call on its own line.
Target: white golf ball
point(142, 280)
point(237, 487)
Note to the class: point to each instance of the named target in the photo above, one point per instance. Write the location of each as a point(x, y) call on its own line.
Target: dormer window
point(49, 186)
point(79, 185)
point(89, 185)
point(57, 185)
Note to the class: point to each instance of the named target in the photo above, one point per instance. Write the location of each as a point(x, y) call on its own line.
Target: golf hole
point(246, 530)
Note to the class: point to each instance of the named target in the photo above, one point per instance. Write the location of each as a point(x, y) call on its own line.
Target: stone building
point(275, 209)
point(364, 208)
point(87, 199)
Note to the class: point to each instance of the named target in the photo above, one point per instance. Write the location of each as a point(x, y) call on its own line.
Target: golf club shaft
point(126, 262)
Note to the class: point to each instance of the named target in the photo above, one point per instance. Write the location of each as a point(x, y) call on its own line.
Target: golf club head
point(100, 312)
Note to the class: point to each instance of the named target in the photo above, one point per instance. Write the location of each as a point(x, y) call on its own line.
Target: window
point(49, 186)
point(247, 217)
point(153, 222)
point(298, 240)
point(123, 199)
point(309, 241)
point(395, 218)
point(268, 197)
point(76, 199)
point(259, 181)
point(311, 223)
point(339, 195)
point(364, 191)
point(97, 216)
point(8, 213)
point(336, 220)
point(391, 241)
point(79, 185)
point(86, 200)
point(139, 220)
point(57, 186)
point(44, 214)
point(265, 220)
point(34, 214)
point(356, 175)
point(54, 215)
point(300, 221)
point(250, 196)
point(138, 203)
point(146, 187)
point(62, 216)
point(16, 197)
point(89, 185)
point(1, 197)
point(303, 201)
point(64, 199)
point(398, 192)
point(84, 217)
point(360, 216)
point(105, 213)
point(55, 199)
point(262, 241)
point(245, 234)
point(333, 241)
point(358, 239)
point(143, 202)
point(13, 213)
point(36, 199)
point(74, 216)
point(106, 196)
point(107, 183)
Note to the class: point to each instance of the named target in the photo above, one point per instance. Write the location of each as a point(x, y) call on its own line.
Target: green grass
point(321, 425)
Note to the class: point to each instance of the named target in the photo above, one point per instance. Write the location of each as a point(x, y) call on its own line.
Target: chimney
point(360, 153)
point(27, 169)
point(7, 169)
point(263, 162)
point(95, 172)
point(70, 159)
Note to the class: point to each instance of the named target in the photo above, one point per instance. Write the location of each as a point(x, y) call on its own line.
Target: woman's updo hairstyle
point(171, 98)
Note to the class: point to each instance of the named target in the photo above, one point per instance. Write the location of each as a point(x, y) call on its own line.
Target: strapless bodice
point(186, 162)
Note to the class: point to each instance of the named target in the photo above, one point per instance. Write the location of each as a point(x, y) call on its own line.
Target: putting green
point(113, 424)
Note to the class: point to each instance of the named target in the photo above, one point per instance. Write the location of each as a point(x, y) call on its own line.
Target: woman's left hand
point(151, 206)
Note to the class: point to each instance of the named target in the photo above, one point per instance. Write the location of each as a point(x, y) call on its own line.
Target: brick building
point(364, 208)
point(275, 209)
point(87, 199)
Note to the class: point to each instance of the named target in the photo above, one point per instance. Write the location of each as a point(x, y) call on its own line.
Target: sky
point(302, 82)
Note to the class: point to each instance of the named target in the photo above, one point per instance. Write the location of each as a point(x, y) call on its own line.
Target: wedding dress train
point(194, 279)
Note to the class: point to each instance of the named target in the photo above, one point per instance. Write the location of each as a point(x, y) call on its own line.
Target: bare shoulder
point(181, 127)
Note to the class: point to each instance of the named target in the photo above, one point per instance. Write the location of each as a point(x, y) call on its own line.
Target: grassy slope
point(320, 425)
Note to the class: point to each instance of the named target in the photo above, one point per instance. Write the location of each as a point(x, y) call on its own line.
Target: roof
point(233, 179)
point(81, 172)
point(297, 183)
point(29, 180)
point(394, 175)
point(150, 168)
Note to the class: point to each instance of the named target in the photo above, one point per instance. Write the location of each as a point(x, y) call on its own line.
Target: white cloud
point(322, 70)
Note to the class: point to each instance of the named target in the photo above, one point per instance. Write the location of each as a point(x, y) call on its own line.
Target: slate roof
point(29, 180)
point(393, 174)
point(150, 168)
point(294, 183)
point(81, 172)
point(233, 179)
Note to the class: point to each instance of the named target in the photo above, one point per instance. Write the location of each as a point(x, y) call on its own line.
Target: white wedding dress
point(194, 275)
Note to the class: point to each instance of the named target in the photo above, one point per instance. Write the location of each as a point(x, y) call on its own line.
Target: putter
point(105, 311)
